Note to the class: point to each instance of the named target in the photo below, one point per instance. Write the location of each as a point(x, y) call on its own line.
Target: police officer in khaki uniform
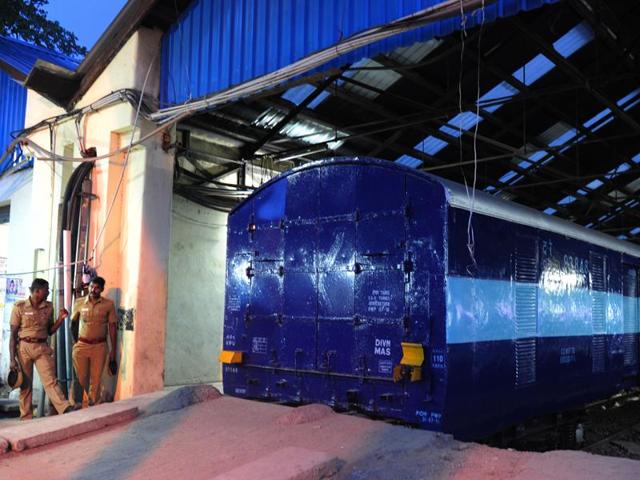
point(31, 324)
point(96, 316)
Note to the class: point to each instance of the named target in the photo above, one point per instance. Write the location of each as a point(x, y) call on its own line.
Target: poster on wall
point(11, 290)
point(4, 327)
point(14, 290)
point(3, 293)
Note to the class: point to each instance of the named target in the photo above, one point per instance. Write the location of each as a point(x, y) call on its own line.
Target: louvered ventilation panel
point(598, 319)
point(630, 315)
point(526, 297)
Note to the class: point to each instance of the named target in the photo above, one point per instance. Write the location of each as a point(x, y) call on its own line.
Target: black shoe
point(69, 409)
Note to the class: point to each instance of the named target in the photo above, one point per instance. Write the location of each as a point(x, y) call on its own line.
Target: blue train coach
point(363, 285)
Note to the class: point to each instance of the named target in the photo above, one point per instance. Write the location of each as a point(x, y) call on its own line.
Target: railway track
point(624, 442)
point(611, 428)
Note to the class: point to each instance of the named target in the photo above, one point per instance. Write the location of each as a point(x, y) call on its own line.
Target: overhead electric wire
point(118, 96)
point(53, 157)
point(40, 270)
point(172, 115)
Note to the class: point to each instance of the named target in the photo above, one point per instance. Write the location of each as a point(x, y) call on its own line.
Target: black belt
point(90, 341)
point(33, 340)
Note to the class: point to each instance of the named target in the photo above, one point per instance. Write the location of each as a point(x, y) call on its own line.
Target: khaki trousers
point(41, 355)
point(88, 362)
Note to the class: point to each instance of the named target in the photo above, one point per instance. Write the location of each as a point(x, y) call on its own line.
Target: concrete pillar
point(145, 242)
point(153, 283)
point(130, 218)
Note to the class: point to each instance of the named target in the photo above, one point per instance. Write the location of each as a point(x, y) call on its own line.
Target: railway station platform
point(198, 434)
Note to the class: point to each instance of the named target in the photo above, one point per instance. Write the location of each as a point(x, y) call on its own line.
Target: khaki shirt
point(33, 322)
point(94, 317)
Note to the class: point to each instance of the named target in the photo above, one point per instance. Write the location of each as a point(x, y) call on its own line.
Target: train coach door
point(262, 323)
point(338, 335)
point(380, 277)
point(360, 252)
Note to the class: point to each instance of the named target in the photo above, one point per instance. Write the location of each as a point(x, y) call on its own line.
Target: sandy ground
point(214, 437)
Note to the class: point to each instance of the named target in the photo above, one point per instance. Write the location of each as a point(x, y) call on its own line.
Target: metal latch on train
point(411, 362)
point(230, 356)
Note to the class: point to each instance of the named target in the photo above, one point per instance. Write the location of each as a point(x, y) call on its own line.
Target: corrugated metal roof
point(415, 53)
point(567, 44)
point(220, 43)
point(380, 79)
point(13, 104)
point(307, 130)
point(22, 56)
point(17, 58)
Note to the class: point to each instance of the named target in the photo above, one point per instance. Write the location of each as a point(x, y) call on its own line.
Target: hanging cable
point(40, 270)
point(471, 241)
point(463, 36)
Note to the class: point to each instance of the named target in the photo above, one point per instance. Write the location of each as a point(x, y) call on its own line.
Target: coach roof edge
point(483, 204)
point(491, 206)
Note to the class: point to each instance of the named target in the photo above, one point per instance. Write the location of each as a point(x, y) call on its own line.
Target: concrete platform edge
point(50, 430)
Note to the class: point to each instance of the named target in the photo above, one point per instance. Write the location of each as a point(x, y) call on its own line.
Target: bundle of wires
point(445, 9)
point(202, 187)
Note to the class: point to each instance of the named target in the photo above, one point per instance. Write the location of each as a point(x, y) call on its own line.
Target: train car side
point(359, 284)
point(537, 322)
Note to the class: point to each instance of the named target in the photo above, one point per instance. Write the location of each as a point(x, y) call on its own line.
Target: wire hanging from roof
point(471, 240)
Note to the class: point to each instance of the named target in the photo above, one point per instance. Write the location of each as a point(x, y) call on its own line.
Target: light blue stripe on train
point(480, 310)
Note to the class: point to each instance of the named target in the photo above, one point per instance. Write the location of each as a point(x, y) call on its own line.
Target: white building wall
point(130, 217)
point(196, 294)
point(4, 240)
point(20, 259)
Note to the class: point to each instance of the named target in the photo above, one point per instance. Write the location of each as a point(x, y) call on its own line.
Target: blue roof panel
point(629, 97)
point(431, 145)
point(564, 138)
point(13, 104)
point(631, 105)
point(220, 43)
point(501, 91)
point(534, 69)
point(567, 200)
point(408, 161)
point(614, 172)
point(574, 40)
point(595, 184)
point(597, 118)
point(462, 121)
point(507, 176)
point(22, 56)
point(298, 94)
